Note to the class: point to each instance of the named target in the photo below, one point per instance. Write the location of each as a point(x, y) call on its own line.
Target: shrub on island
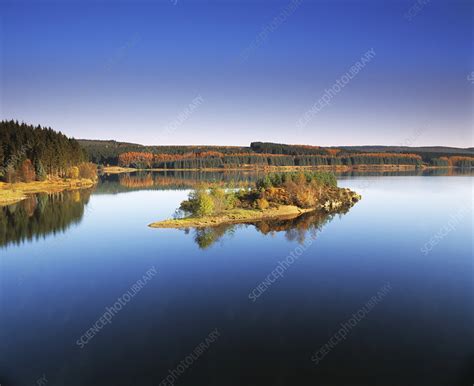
point(303, 190)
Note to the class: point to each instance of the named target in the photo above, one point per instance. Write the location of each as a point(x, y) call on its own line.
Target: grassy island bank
point(234, 216)
point(276, 196)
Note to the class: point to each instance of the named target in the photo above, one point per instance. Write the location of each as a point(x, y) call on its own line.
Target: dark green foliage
point(40, 172)
point(50, 152)
point(240, 160)
point(276, 180)
point(279, 148)
point(439, 162)
point(205, 237)
point(464, 163)
point(264, 183)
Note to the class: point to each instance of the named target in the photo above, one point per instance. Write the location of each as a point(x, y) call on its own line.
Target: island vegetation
point(275, 196)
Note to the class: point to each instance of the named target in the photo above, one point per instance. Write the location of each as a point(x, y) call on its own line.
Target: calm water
point(65, 258)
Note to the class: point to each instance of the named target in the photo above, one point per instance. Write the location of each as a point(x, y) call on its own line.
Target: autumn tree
point(27, 171)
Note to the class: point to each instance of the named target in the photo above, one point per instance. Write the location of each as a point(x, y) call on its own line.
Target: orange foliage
point(386, 155)
point(333, 152)
point(88, 170)
point(135, 157)
point(27, 171)
point(136, 181)
point(205, 154)
point(453, 160)
point(30, 205)
point(256, 155)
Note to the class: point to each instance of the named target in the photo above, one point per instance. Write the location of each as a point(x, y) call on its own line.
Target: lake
point(381, 295)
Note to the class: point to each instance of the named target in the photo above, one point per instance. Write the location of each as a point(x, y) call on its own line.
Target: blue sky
point(130, 70)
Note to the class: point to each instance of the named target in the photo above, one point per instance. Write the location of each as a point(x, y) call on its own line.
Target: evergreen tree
point(27, 152)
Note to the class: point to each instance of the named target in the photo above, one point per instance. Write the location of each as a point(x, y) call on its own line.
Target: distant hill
point(406, 149)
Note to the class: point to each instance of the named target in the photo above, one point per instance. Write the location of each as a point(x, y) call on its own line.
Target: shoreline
point(12, 193)
point(342, 168)
point(234, 216)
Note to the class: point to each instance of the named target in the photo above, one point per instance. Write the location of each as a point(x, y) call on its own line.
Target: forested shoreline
point(266, 154)
point(215, 160)
point(33, 153)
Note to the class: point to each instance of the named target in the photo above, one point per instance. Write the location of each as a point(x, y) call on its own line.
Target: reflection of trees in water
point(205, 237)
point(296, 229)
point(171, 180)
point(144, 180)
point(186, 179)
point(41, 214)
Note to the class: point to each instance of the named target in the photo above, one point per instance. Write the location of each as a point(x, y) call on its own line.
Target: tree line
point(107, 152)
point(29, 153)
point(279, 148)
point(213, 159)
point(262, 154)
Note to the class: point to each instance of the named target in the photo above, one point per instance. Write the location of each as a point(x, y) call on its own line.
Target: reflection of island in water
point(41, 214)
point(296, 229)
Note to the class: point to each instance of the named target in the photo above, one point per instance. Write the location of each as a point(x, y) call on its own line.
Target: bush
point(88, 170)
point(73, 172)
point(204, 204)
point(219, 199)
point(231, 200)
point(324, 178)
point(264, 183)
point(300, 189)
point(199, 203)
point(261, 203)
point(305, 196)
point(277, 195)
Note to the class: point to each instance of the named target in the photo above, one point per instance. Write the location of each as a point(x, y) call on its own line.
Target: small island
point(276, 196)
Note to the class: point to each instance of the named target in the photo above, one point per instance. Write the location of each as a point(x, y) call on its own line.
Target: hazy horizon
point(229, 73)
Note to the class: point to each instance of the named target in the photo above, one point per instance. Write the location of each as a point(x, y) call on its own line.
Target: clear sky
point(129, 70)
